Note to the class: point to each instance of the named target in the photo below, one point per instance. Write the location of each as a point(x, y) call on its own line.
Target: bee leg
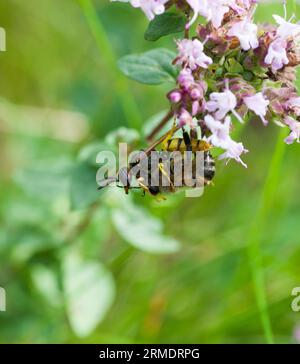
point(161, 168)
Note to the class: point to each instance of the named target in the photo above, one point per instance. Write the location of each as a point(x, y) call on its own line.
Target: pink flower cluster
point(233, 69)
point(231, 35)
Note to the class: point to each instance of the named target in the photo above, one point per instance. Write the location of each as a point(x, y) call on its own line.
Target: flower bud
point(185, 78)
point(195, 108)
point(196, 94)
point(175, 96)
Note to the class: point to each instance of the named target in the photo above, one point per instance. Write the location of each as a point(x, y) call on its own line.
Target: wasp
point(171, 169)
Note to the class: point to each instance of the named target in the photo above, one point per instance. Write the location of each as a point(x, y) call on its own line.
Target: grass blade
point(256, 234)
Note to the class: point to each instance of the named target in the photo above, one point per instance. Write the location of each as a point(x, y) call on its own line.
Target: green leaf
point(272, 84)
point(165, 24)
point(91, 240)
point(248, 76)
point(83, 186)
point(152, 68)
point(46, 180)
point(140, 229)
point(219, 72)
point(260, 72)
point(46, 284)
point(88, 154)
point(27, 241)
point(89, 293)
point(233, 66)
point(122, 135)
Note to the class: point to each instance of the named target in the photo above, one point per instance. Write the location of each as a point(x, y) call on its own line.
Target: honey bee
point(171, 170)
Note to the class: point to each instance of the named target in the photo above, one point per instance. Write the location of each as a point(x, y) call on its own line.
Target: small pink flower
point(294, 126)
point(242, 6)
point(276, 56)
point(286, 29)
point(220, 138)
point(234, 151)
point(185, 78)
point(221, 103)
point(191, 53)
point(293, 104)
point(149, 7)
point(212, 10)
point(220, 131)
point(258, 104)
point(246, 32)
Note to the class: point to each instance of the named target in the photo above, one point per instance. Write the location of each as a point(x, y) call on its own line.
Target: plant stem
point(256, 235)
point(158, 128)
point(127, 101)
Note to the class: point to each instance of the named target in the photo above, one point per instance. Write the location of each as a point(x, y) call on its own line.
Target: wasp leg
point(161, 168)
point(187, 140)
point(161, 198)
point(142, 185)
point(168, 137)
point(106, 182)
point(150, 191)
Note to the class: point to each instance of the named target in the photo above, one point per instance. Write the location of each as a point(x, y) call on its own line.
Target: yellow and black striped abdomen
point(178, 144)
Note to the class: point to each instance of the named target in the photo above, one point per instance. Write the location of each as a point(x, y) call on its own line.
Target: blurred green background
point(80, 266)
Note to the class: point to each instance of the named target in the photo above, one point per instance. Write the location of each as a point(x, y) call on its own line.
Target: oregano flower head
point(231, 69)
